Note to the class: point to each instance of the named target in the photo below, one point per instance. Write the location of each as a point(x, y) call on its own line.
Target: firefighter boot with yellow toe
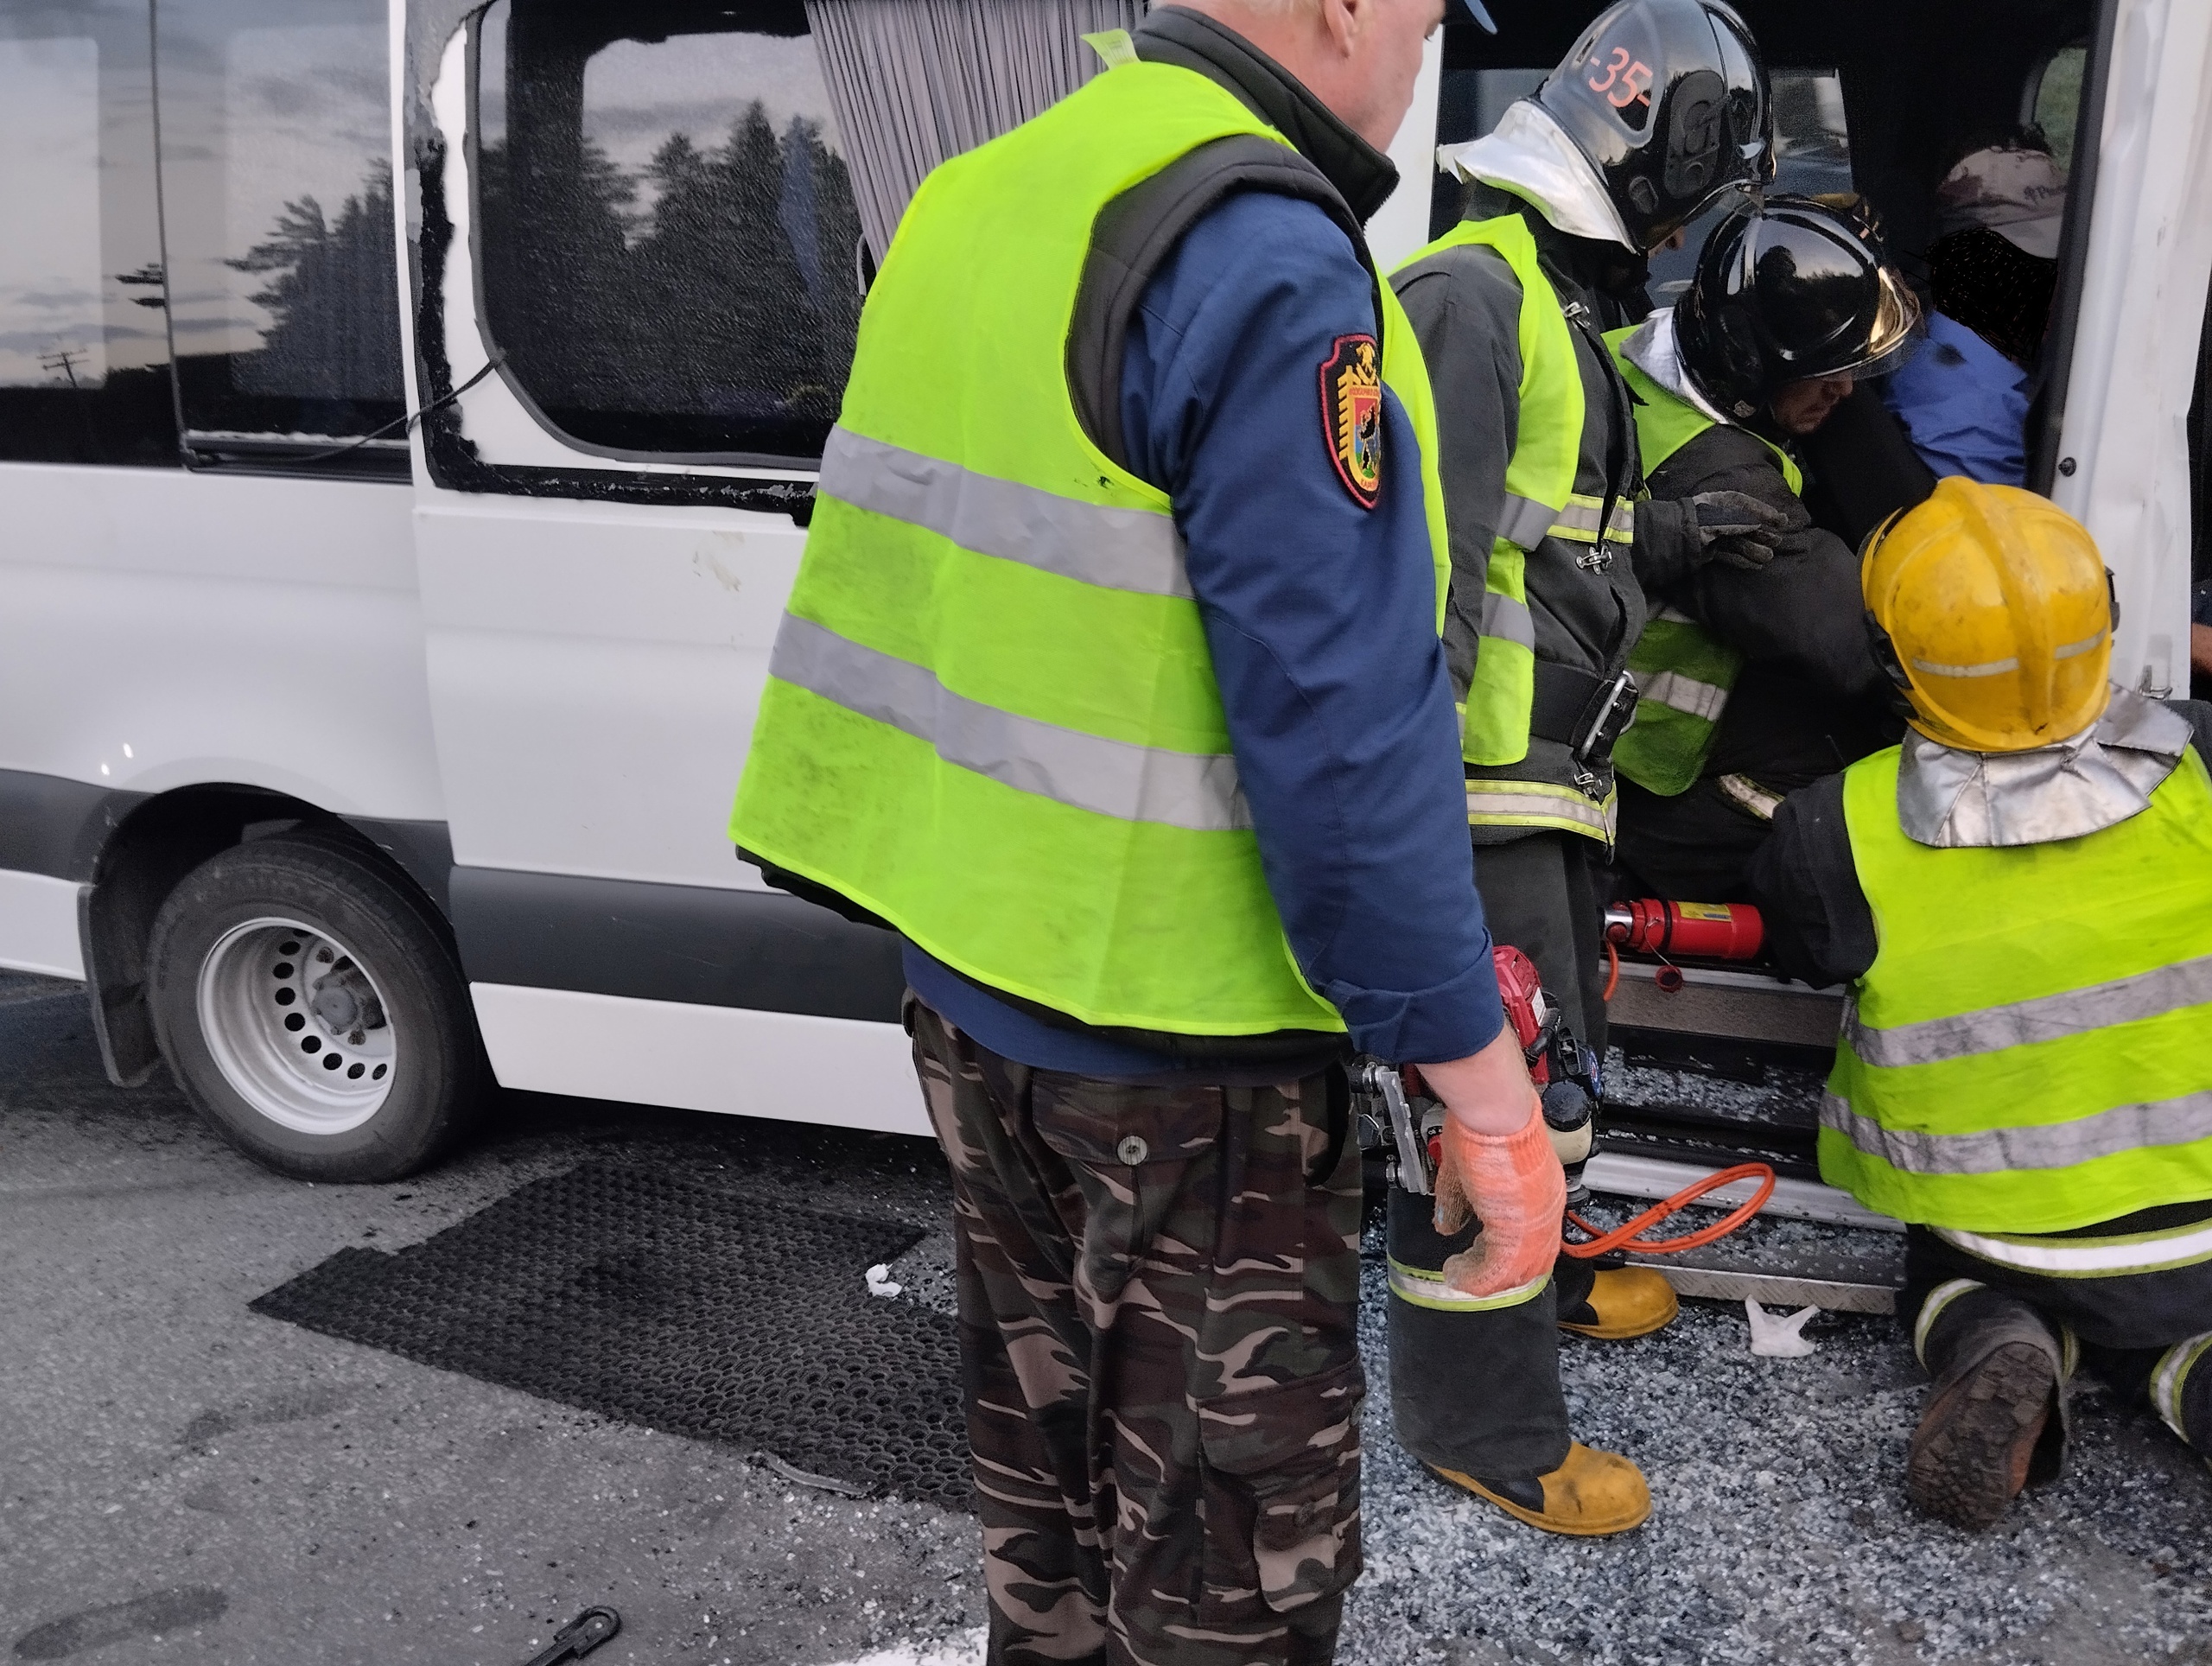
point(1591, 1495)
point(1623, 1302)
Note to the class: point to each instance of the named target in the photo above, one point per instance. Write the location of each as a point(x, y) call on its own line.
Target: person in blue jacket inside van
point(1993, 268)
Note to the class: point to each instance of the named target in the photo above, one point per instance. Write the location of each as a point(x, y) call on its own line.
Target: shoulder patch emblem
point(1351, 416)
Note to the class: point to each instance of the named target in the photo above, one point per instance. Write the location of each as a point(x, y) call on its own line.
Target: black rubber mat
point(672, 1303)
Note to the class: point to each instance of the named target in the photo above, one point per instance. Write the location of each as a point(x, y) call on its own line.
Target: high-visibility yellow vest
point(991, 716)
point(2032, 1050)
point(1684, 674)
point(1540, 500)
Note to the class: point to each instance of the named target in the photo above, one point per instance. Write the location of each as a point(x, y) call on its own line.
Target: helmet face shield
point(1898, 330)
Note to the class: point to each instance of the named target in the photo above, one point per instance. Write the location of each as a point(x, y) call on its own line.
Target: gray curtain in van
point(916, 81)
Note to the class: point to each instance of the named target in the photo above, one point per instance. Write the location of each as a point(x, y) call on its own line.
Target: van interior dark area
point(1879, 99)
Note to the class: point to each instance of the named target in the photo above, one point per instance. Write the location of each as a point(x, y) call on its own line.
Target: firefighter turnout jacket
point(1544, 603)
point(1684, 673)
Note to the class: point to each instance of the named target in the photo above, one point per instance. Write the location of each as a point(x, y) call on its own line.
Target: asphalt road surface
point(188, 1480)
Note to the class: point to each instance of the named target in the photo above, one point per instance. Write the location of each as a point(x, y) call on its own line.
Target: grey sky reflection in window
point(277, 173)
point(50, 274)
point(84, 347)
point(669, 235)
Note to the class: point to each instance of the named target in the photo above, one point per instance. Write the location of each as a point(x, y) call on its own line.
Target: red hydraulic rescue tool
point(1695, 931)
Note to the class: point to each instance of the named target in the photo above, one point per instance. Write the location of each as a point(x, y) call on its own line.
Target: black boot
point(1995, 1420)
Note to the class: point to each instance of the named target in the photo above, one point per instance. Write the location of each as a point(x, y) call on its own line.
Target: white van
point(346, 758)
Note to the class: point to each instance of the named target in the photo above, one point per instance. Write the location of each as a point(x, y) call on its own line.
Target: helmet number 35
point(1628, 80)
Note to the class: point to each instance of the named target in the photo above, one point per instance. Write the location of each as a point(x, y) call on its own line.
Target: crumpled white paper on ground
point(879, 1281)
point(1780, 1336)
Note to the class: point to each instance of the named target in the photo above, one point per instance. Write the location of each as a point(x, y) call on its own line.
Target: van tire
point(309, 1004)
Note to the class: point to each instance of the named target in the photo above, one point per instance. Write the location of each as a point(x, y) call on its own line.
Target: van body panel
point(38, 923)
point(789, 1066)
point(2128, 396)
point(166, 629)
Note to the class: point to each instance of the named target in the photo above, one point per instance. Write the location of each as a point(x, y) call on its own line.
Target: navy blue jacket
point(1320, 615)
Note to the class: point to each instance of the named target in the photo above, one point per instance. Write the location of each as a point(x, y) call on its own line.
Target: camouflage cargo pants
point(1158, 1289)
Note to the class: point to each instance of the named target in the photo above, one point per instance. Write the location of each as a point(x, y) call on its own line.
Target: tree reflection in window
point(702, 300)
point(332, 294)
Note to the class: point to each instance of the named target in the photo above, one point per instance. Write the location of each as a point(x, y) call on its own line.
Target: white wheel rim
point(297, 1026)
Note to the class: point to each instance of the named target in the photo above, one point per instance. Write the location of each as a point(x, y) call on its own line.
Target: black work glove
point(1738, 528)
point(1675, 536)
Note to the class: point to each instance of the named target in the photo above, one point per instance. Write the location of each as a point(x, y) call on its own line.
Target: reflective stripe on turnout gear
point(1507, 619)
point(1683, 694)
point(2008, 1150)
point(2171, 1376)
point(2022, 1023)
point(1198, 791)
point(2088, 1257)
point(1113, 548)
point(1748, 795)
point(1539, 804)
point(1930, 1310)
point(1427, 1289)
point(1523, 521)
point(1583, 519)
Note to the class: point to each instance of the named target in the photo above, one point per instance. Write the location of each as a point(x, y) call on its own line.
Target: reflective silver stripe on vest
point(1197, 791)
point(1524, 522)
point(1508, 620)
point(1684, 694)
point(2045, 1018)
point(2008, 1150)
point(1114, 548)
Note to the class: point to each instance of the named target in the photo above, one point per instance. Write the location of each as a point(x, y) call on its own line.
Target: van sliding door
point(636, 240)
point(644, 233)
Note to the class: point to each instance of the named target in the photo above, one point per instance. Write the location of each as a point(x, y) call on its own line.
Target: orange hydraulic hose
point(1629, 1237)
point(1612, 971)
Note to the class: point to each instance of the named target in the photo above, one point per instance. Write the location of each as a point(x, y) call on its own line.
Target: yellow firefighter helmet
point(1998, 613)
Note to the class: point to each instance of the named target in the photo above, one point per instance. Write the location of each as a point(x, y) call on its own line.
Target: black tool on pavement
point(578, 1637)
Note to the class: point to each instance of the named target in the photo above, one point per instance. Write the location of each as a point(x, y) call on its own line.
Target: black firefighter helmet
point(1668, 101)
point(1786, 291)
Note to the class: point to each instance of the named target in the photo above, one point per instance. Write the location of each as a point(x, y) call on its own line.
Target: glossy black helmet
point(1668, 101)
point(1786, 291)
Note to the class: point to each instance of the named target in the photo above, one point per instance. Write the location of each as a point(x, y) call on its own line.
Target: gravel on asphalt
point(275, 1496)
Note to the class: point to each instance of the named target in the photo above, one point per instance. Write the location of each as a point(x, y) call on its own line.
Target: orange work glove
point(1513, 1184)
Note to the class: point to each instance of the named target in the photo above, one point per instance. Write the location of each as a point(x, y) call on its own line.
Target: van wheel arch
point(149, 853)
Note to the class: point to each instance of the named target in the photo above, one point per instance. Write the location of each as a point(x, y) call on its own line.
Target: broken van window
point(669, 241)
